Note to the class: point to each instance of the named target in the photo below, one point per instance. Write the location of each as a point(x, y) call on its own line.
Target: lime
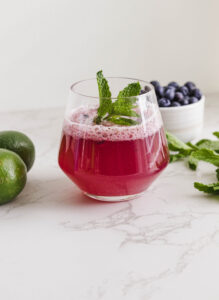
point(13, 175)
point(20, 144)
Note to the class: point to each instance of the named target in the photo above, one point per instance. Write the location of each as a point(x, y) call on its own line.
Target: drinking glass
point(112, 162)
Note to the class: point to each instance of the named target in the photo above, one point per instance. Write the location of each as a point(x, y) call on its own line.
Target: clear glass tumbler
point(107, 161)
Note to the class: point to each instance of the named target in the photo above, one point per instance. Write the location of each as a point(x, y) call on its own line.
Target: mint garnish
point(133, 89)
point(121, 121)
point(105, 98)
point(118, 111)
point(124, 105)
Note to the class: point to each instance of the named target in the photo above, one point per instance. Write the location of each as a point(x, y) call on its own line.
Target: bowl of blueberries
point(182, 108)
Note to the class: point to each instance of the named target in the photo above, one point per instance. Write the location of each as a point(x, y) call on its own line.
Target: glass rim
point(146, 83)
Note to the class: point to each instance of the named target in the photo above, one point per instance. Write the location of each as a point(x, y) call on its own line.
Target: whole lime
point(13, 175)
point(20, 144)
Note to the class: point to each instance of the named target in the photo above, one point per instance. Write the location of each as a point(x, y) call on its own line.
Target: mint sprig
point(120, 111)
point(105, 106)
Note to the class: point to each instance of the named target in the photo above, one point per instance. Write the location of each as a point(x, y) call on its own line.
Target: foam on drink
point(79, 123)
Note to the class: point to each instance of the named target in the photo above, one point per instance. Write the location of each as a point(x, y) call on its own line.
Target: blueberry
point(155, 83)
point(197, 94)
point(159, 91)
point(179, 96)
point(175, 103)
point(142, 92)
point(167, 87)
point(193, 100)
point(184, 90)
point(173, 84)
point(163, 102)
point(184, 101)
point(171, 87)
point(169, 93)
point(190, 85)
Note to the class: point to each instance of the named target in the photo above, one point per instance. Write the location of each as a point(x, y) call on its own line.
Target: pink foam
point(79, 123)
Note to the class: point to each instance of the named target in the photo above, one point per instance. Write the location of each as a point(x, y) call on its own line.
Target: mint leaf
point(217, 172)
point(178, 156)
point(123, 106)
point(175, 144)
point(208, 144)
point(206, 155)
point(193, 163)
point(216, 133)
point(208, 188)
point(121, 121)
point(192, 146)
point(126, 99)
point(133, 89)
point(105, 97)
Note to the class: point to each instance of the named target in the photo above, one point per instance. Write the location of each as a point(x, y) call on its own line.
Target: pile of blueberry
point(175, 95)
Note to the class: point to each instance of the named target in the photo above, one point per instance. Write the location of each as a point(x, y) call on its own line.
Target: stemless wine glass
point(111, 162)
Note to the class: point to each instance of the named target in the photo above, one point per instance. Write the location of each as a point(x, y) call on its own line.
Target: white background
point(48, 44)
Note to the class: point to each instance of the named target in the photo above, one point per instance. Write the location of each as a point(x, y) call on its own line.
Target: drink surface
point(112, 160)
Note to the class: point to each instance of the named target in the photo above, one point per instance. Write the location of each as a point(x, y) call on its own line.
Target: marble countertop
point(57, 244)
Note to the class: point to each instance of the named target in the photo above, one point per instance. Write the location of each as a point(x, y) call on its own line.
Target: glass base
point(113, 198)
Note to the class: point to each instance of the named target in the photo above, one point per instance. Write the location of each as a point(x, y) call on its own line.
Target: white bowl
point(186, 121)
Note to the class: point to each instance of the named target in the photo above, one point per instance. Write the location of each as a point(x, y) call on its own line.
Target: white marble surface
point(57, 244)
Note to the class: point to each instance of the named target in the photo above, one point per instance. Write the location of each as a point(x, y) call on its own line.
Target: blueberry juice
point(109, 160)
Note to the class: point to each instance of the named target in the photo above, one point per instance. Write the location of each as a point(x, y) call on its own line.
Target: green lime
point(20, 144)
point(13, 175)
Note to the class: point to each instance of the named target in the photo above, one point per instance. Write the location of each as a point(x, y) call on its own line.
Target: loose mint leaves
point(178, 156)
point(217, 172)
point(216, 133)
point(206, 155)
point(118, 111)
point(205, 150)
point(176, 144)
point(192, 162)
point(213, 145)
point(208, 188)
point(193, 152)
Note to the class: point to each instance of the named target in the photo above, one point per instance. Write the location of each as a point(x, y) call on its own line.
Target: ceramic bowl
point(186, 121)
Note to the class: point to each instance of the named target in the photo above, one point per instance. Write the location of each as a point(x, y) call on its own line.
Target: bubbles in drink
point(80, 124)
